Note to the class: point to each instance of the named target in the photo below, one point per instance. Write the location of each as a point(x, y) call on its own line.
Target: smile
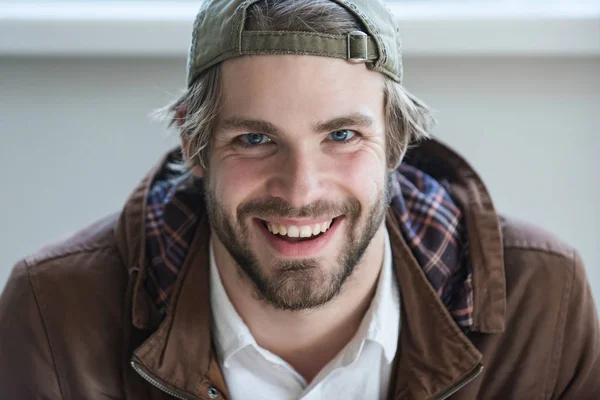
point(289, 238)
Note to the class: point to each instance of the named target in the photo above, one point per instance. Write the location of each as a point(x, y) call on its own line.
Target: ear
point(393, 165)
point(185, 149)
point(180, 115)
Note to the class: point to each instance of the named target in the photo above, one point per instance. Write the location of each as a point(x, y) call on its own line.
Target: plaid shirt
point(431, 223)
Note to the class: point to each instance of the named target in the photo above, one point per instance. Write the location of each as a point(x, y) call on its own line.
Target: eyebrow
point(260, 126)
point(250, 125)
point(355, 119)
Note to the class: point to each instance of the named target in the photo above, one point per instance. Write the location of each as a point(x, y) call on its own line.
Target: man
point(297, 249)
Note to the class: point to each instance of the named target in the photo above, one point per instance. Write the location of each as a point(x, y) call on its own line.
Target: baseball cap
point(219, 34)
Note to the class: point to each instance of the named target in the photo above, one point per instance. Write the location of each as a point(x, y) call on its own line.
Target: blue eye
point(343, 135)
point(252, 139)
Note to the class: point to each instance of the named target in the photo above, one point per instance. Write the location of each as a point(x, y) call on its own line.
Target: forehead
point(298, 89)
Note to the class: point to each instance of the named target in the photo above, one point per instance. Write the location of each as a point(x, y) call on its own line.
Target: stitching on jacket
point(556, 354)
point(540, 248)
point(42, 310)
point(34, 261)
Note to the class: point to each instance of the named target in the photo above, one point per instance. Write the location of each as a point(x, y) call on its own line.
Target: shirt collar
point(381, 323)
point(231, 333)
point(384, 324)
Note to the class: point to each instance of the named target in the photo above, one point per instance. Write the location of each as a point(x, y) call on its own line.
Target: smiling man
point(295, 247)
point(312, 196)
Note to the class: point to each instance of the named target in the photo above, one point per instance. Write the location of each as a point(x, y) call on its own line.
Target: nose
point(298, 177)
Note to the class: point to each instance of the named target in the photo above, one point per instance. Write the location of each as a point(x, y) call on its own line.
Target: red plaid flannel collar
point(431, 222)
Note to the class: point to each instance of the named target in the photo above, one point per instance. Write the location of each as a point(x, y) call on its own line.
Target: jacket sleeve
point(26, 363)
point(577, 344)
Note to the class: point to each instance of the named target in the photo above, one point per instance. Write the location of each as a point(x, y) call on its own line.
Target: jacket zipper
point(161, 386)
point(463, 382)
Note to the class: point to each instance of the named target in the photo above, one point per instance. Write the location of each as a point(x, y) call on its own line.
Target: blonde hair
point(407, 118)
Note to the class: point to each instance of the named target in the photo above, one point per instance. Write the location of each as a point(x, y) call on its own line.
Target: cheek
point(362, 174)
point(234, 180)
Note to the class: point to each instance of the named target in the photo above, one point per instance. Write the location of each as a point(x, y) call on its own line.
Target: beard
point(295, 285)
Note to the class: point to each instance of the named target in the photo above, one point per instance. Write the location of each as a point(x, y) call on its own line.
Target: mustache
point(279, 208)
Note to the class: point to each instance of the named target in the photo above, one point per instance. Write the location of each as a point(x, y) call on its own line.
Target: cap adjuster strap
point(356, 46)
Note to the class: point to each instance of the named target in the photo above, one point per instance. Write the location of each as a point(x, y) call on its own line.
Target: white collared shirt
point(361, 370)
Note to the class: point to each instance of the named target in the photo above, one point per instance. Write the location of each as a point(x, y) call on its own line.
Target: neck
point(306, 339)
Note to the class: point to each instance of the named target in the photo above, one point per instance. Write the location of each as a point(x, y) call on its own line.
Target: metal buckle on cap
point(357, 47)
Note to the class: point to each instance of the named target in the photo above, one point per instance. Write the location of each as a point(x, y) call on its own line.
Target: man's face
point(297, 185)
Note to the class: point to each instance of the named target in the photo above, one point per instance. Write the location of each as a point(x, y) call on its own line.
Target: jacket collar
point(182, 360)
point(130, 238)
point(433, 353)
point(483, 227)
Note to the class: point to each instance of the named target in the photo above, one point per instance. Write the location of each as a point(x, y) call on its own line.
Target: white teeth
point(323, 227)
point(303, 231)
point(316, 229)
point(293, 231)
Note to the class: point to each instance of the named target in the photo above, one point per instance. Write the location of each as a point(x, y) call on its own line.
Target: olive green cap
point(219, 34)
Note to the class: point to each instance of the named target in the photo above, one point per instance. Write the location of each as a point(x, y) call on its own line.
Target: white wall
point(75, 138)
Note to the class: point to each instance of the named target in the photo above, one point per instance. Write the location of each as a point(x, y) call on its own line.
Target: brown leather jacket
point(76, 322)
